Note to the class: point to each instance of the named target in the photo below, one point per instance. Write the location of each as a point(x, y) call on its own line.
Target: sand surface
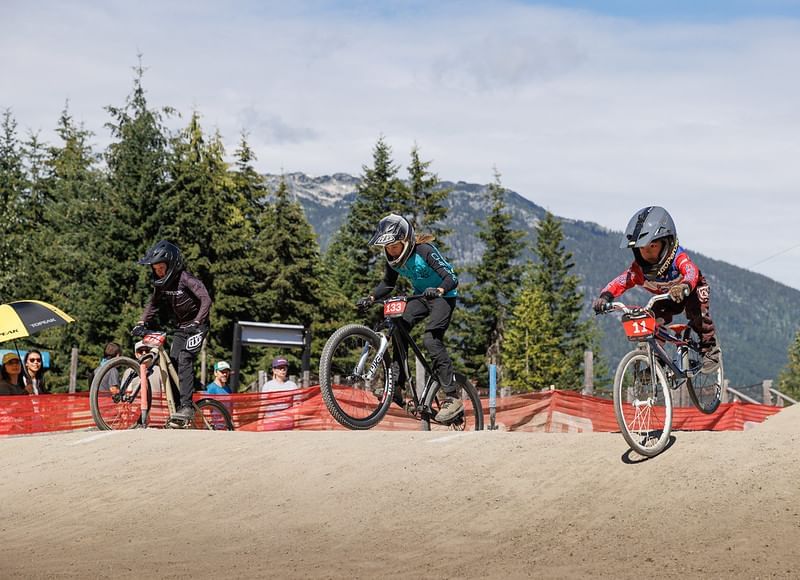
point(171, 504)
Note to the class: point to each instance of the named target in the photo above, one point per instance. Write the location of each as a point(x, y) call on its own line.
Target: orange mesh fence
point(304, 409)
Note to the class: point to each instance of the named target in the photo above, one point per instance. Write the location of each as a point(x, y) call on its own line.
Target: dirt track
point(400, 504)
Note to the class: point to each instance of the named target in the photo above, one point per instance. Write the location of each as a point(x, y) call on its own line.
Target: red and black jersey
point(681, 271)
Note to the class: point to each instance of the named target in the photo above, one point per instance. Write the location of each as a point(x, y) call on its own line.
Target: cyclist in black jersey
point(431, 275)
point(189, 303)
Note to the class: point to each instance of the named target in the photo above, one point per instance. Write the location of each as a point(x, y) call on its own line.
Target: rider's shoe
point(398, 398)
point(450, 409)
point(182, 416)
point(711, 360)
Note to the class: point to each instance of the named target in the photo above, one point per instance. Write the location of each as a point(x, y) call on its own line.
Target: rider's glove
point(364, 303)
point(679, 292)
point(139, 330)
point(192, 328)
point(601, 302)
point(431, 293)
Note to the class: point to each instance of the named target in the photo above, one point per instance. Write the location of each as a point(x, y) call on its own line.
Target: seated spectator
point(33, 377)
point(110, 381)
point(11, 376)
point(280, 373)
point(222, 373)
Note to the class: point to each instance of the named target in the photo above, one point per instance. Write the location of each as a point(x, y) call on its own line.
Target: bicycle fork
point(373, 367)
point(144, 388)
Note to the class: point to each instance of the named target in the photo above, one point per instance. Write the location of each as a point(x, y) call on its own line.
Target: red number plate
point(394, 308)
point(639, 327)
point(155, 339)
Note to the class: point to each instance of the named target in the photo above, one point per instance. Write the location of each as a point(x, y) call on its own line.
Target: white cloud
point(590, 116)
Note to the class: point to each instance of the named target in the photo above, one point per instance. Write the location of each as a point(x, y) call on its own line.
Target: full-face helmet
point(394, 228)
point(648, 225)
point(167, 253)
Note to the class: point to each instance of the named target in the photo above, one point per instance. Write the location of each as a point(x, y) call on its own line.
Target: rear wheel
point(643, 408)
point(120, 409)
point(349, 356)
point(211, 414)
point(470, 420)
point(705, 389)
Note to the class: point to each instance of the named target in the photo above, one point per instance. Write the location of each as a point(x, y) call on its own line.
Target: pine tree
point(12, 187)
point(354, 266)
point(559, 288)
point(427, 211)
point(531, 353)
point(789, 377)
point(137, 183)
point(497, 279)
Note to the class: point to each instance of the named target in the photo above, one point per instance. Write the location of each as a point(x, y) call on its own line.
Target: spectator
point(279, 382)
point(33, 377)
point(153, 371)
point(110, 381)
point(11, 373)
point(222, 373)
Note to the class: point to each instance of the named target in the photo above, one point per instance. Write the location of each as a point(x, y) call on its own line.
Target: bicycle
point(642, 398)
point(357, 377)
point(130, 406)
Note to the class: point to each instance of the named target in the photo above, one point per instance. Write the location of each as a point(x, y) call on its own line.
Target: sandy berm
point(173, 504)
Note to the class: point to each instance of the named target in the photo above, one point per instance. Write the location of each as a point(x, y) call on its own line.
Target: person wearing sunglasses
point(11, 372)
point(33, 377)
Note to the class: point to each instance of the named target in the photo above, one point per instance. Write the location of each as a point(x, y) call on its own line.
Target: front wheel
point(470, 420)
point(211, 414)
point(114, 395)
point(356, 385)
point(643, 406)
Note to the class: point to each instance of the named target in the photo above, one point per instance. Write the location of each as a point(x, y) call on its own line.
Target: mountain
point(754, 314)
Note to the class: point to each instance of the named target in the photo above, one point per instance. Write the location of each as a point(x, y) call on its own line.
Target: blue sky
point(591, 109)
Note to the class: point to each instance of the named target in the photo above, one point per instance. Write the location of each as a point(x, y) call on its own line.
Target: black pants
point(183, 358)
point(696, 307)
point(440, 311)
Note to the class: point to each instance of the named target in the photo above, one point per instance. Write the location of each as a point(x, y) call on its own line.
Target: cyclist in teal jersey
point(415, 258)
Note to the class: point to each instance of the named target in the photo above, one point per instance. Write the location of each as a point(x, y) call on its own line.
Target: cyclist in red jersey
point(661, 265)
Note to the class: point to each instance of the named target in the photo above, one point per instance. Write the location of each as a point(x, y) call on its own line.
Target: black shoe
point(450, 409)
point(183, 415)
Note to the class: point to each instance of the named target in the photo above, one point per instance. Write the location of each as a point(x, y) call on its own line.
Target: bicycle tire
point(211, 414)
point(116, 412)
point(351, 401)
point(461, 423)
point(705, 389)
point(643, 423)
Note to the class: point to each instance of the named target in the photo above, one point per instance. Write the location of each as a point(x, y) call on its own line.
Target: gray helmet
point(648, 225)
point(394, 228)
point(169, 254)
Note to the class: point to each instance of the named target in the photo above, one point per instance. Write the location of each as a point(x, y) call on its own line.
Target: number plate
point(394, 308)
point(639, 327)
point(155, 339)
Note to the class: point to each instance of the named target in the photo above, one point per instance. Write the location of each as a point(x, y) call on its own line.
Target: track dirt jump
point(173, 504)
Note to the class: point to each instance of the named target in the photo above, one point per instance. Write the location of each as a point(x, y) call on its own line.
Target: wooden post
point(766, 385)
point(73, 369)
point(724, 394)
point(588, 372)
point(262, 378)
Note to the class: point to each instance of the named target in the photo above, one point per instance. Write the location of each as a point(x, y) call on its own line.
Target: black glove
point(431, 293)
point(192, 328)
point(364, 303)
point(601, 303)
point(678, 292)
point(139, 330)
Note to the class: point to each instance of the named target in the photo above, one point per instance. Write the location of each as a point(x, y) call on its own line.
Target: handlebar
point(625, 309)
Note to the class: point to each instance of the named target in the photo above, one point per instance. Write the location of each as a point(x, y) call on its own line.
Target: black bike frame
point(659, 352)
point(402, 353)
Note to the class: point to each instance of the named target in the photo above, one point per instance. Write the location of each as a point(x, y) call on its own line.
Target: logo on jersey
point(703, 292)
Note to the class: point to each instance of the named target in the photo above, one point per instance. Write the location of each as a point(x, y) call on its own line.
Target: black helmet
point(394, 228)
point(169, 254)
point(648, 225)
